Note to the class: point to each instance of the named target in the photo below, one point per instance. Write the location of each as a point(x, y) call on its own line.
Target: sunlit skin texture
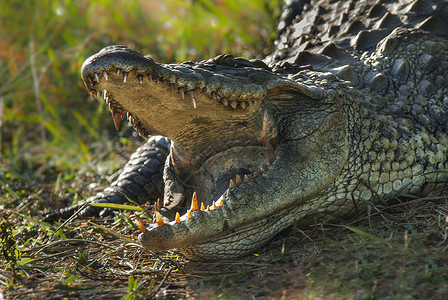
point(303, 136)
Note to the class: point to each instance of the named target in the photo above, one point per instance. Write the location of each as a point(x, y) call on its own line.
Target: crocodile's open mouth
point(223, 139)
point(201, 187)
point(224, 176)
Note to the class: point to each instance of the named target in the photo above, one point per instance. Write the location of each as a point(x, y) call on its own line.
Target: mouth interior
point(226, 170)
point(220, 172)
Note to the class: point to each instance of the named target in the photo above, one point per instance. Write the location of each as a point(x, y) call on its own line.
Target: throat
point(221, 171)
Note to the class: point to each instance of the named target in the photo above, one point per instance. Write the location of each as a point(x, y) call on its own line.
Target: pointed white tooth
point(118, 72)
point(190, 95)
point(125, 76)
point(105, 75)
point(231, 184)
point(97, 77)
point(238, 179)
point(182, 92)
point(140, 79)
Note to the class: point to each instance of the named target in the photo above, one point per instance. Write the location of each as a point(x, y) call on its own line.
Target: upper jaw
point(194, 104)
point(225, 79)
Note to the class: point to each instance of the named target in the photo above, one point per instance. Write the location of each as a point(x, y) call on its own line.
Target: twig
point(70, 219)
point(170, 262)
point(380, 211)
point(155, 291)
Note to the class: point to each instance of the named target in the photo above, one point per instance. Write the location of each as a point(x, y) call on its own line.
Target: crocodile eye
point(226, 59)
point(230, 61)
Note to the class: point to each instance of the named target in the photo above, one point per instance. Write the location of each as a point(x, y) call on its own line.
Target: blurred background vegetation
point(48, 125)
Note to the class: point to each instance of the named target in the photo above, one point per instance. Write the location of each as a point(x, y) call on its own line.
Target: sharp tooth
point(118, 72)
point(213, 206)
point(225, 101)
point(227, 193)
point(171, 156)
point(117, 119)
point(233, 104)
point(190, 95)
point(194, 202)
point(140, 223)
point(246, 179)
point(97, 77)
point(128, 115)
point(159, 219)
point(177, 217)
point(231, 184)
point(202, 206)
point(182, 92)
point(140, 79)
point(141, 131)
point(90, 80)
point(220, 202)
point(125, 76)
point(105, 75)
point(208, 207)
point(106, 94)
point(158, 205)
point(243, 104)
point(238, 180)
point(188, 214)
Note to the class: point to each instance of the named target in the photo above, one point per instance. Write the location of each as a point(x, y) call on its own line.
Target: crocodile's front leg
point(140, 181)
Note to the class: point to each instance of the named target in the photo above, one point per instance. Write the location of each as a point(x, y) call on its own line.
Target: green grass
point(58, 146)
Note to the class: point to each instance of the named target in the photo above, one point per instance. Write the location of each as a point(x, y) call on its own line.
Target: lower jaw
point(224, 170)
point(243, 240)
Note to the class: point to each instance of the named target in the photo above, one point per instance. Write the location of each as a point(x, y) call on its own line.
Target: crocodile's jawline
point(226, 141)
point(352, 108)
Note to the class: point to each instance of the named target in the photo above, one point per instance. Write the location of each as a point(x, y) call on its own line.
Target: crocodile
point(349, 110)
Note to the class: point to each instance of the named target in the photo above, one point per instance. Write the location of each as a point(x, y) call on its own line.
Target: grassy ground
point(57, 147)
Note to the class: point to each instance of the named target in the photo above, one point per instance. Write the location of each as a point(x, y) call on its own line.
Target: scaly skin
point(346, 111)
